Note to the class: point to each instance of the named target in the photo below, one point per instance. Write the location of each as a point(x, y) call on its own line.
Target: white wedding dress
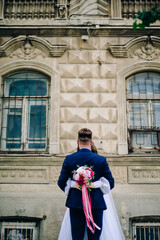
point(111, 229)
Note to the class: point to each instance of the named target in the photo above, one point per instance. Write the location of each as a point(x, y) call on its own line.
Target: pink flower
point(83, 175)
point(88, 174)
point(76, 176)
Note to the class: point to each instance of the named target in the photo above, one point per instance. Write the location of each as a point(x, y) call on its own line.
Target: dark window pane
point(28, 88)
point(142, 233)
point(36, 145)
point(156, 233)
point(151, 233)
point(37, 121)
point(156, 114)
point(137, 234)
point(147, 233)
point(138, 115)
point(13, 145)
point(144, 83)
point(18, 234)
point(26, 84)
point(141, 140)
point(14, 123)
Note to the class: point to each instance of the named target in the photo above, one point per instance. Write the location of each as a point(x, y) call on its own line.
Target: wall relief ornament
point(24, 174)
point(147, 52)
point(146, 47)
point(28, 47)
point(89, 7)
point(62, 10)
point(27, 51)
point(144, 174)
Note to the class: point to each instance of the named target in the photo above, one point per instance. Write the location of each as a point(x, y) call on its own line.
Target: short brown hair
point(85, 135)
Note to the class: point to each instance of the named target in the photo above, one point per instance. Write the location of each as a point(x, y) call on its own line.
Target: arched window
point(143, 106)
point(25, 112)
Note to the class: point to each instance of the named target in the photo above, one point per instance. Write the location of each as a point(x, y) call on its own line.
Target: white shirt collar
point(85, 148)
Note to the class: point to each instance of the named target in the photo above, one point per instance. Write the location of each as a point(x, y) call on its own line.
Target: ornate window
point(25, 112)
point(143, 106)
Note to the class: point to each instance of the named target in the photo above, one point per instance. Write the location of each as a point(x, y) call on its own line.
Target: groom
point(74, 201)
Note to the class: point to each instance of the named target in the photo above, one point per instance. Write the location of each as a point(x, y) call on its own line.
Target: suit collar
point(85, 149)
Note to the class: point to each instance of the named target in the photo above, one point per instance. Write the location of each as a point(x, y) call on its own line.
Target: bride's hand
point(78, 187)
point(91, 185)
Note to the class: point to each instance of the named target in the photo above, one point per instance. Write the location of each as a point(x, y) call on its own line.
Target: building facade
point(64, 65)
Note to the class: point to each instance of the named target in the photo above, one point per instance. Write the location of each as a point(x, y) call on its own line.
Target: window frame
point(144, 222)
point(21, 223)
point(122, 74)
point(54, 103)
point(25, 100)
point(151, 128)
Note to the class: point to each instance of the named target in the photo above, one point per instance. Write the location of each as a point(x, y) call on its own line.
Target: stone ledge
point(57, 160)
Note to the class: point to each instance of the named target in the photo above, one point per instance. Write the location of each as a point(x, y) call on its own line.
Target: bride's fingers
point(78, 187)
point(91, 185)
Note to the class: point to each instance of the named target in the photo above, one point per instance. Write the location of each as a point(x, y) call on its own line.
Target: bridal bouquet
point(83, 176)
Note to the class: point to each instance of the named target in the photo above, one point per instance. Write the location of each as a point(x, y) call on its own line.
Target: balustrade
point(131, 8)
point(14, 10)
point(34, 9)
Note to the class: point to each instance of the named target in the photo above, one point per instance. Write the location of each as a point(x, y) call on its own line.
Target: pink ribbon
point(86, 200)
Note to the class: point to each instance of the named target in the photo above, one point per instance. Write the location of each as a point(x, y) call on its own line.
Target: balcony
point(53, 12)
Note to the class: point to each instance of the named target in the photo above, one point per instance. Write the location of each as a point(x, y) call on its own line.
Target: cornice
point(93, 30)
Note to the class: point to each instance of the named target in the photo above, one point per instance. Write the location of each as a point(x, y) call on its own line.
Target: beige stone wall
point(87, 89)
point(88, 95)
point(29, 188)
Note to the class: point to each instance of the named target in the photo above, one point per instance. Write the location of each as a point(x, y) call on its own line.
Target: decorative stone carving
point(27, 51)
point(89, 7)
point(1, 10)
point(62, 10)
point(147, 52)
point(19, 174)
point(147, 48)
point(29, 47)
point(144, 174)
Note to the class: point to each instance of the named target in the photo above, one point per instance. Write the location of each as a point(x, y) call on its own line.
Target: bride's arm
point(70, 184)
point(102, 183)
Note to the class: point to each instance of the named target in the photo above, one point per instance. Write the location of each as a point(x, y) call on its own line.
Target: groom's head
point(84, 138)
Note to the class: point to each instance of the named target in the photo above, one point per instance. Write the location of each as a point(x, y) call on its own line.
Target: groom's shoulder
point(72, 155)
point(98, 157)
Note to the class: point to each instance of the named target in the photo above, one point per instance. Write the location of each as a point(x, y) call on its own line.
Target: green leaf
point(135, 25)
point(147, 18)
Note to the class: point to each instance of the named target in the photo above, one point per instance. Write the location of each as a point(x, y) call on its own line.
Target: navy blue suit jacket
point(100, 168)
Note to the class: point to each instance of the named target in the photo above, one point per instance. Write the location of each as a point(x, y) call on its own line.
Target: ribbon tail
point(86, 200)
point(90, 210)
point(85, 207)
